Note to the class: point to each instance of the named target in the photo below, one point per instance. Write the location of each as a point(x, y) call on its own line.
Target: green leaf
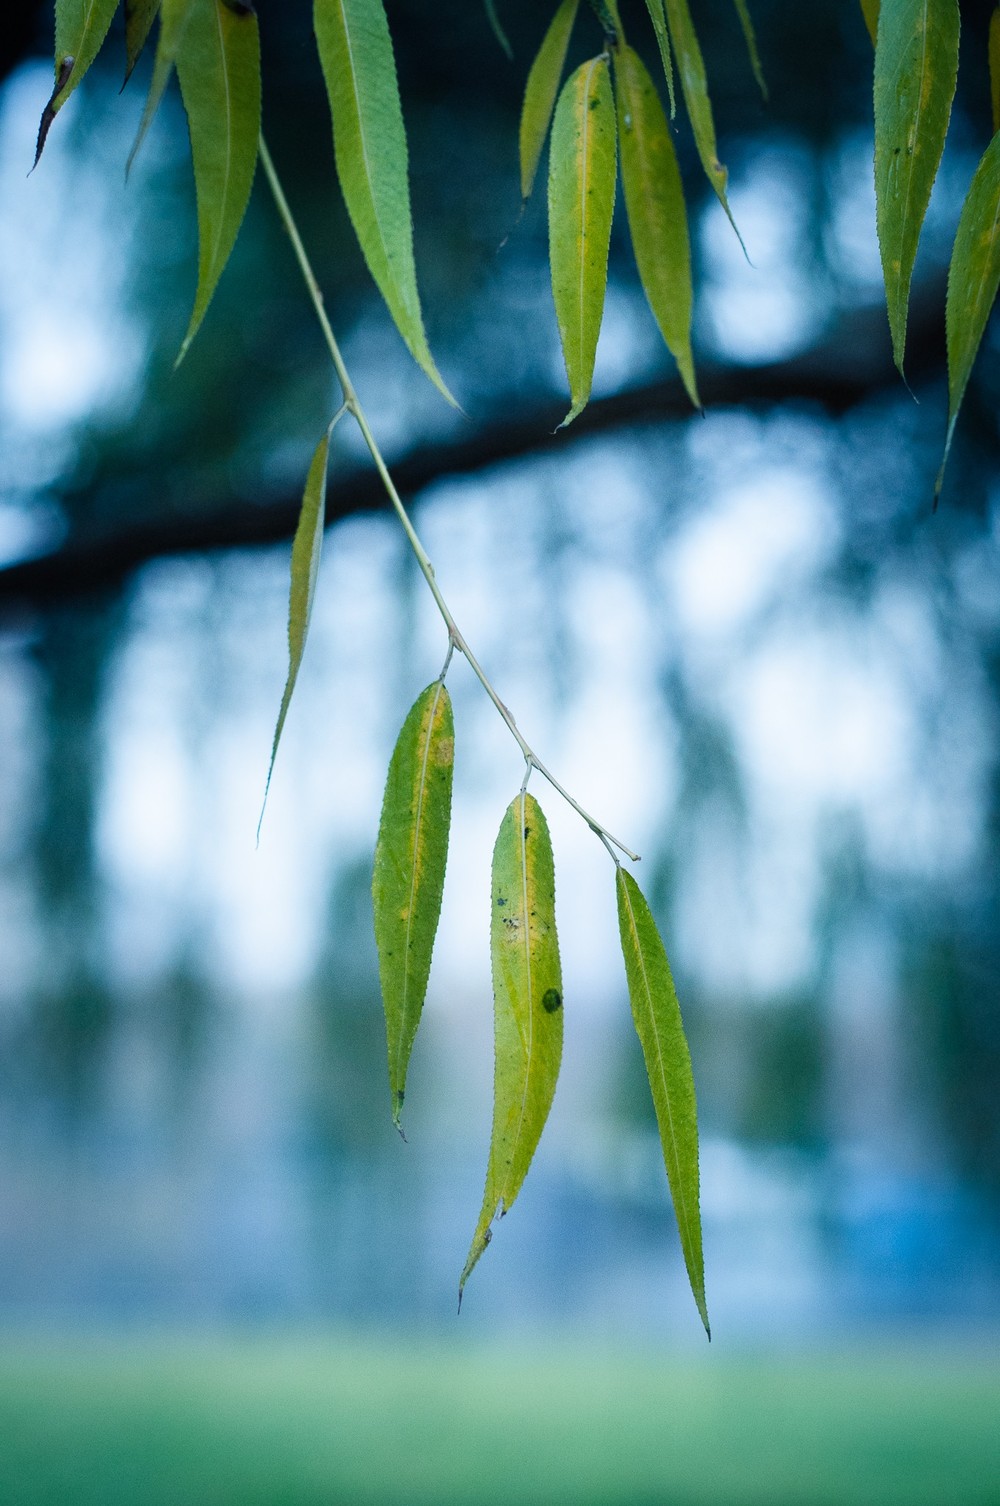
point(174, 16)
point(582, 159)
point(694, 86)
point(370, 148)
point(541, 90)
point(654, 201)
point(307, 548)
point(527, 1007)
point(973, 278)
point(81, 26)
point(408, 880)
point(497, 29)
point(659, 19)
point(750, 36)
point(916, 66)
point(658, 1024)
point(218, 68)
point(139, 18)
point(870, 10)
point(994, 51)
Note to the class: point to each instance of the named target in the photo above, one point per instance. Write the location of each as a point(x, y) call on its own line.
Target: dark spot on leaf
point(527, 831)
point(501, 901)
point(551, 1000)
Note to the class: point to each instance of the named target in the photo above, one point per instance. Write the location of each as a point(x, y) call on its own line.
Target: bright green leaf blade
point(694, 86)
point(994, 51)
point(369, 142)
point(307, 548)
point(218, 68)
point(81, 27)
point(654, 202)
point(916, 66)
point(497, 29)
point(139, 18)
point(527, 1007)
point(174, 16)
point(870, 10)
point(582, 161)
point(541, 90)
point(659, 19)
point(658, 1024)
point(973, 279)
point(408, 879)
point(750, 37)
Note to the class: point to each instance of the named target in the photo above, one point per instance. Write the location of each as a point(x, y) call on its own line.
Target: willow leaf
point(916, 66)
point(973, 278)
point(750, 37)
point(408, 879)
point(81, 26)
point(658, 1024)
point(541, 90)
point(582, 161)
point(994, 51)
point(870, 10)
point(307, 548)
point(527, 1007)
point(369, 143)
point(497, 28)
point(654, 202)
point(174, 17)
point(659, 19)
point(139, 18)
point(218, 68)
point(694, 86)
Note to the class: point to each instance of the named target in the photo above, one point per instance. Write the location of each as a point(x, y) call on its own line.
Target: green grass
point(319, 1423)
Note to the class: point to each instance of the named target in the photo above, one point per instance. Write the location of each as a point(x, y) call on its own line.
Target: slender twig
point(352, 405)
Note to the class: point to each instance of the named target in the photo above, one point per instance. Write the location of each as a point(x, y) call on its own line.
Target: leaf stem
point(352, 405)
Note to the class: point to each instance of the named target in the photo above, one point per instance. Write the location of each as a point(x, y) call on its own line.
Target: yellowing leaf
point(81, 26)
point(994, 51)
point(541, 90)
point(916, 66)
point(307, 548)
point(582, 159)
point(870, 10)
point(654, 201)
point(408, 879)
point(694, 86)
point(658, 17)
point(973, 278)
point(218, 68)
point(527, 1007)
point(139, 18)
point(750, 37)
point(658, 1024)
point(370, 148)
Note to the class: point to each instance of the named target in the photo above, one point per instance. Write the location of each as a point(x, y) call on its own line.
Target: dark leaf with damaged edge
point(408, 878)
point(81, 27)
point(658, 1025)
point(527, 1007)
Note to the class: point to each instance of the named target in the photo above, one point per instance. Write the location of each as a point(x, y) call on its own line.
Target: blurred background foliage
point(743, 640)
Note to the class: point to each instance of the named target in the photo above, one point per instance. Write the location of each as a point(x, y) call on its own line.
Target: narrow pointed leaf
point(659, 19)
point(527, 1007)
point(541, 90)
point(870, 10)
point(174, 16)
point(750, 37)
point(218, 68)
point(916, 66)
point(658, 1024)
point(973, 279)
point(408, 879)
point(370, 148)
point(694, 86)
point(81, 27)
point(994, 50)
point(307, 548)
point(139, 18)
point(654, 201)
point(497, 29)
point(582, 164)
